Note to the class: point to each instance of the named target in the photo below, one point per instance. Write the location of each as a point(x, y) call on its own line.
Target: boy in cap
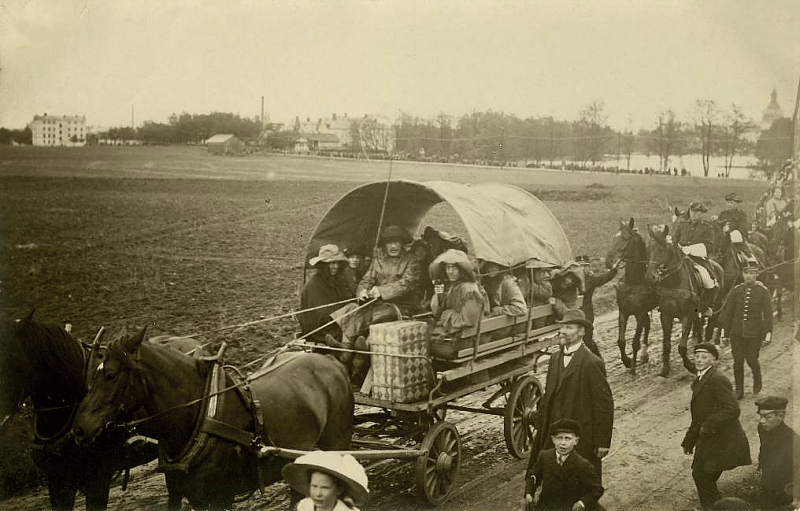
point(747, 321)
point(715, 435)
point(568, 481)
point(577, 389)
point(779, 445)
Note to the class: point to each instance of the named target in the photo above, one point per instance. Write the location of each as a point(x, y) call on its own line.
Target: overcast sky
point(533, 58)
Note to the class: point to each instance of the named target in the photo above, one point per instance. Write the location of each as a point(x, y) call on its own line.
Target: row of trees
point(495, 136)
point(587, 141)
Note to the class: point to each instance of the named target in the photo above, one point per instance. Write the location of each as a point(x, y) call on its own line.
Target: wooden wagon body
point(505, 225)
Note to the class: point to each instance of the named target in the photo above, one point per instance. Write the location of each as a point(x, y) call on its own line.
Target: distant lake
point(693, 163)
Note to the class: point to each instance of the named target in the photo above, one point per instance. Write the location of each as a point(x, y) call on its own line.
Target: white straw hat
point(341, 466)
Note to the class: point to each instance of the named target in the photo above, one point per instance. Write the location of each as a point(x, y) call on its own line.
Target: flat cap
point(697, 206)
point(566, 426)
point(733, 197)
point(708, 348)
point(772, 404)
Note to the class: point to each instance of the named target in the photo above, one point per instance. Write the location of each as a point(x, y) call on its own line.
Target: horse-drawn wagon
point(222, 434)
point(414, 380)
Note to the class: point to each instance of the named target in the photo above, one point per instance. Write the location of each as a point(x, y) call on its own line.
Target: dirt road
point(645, 470)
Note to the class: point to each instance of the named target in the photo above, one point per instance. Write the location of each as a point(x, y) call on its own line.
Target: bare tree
point(590, 126)
point(736, 126)
point(445, 124)
point(705, 119)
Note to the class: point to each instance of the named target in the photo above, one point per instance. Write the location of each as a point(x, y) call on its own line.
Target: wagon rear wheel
point(520, 412)
point(437, 471)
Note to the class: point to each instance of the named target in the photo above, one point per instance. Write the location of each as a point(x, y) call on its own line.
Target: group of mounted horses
point(659, 274)
point(211, 421)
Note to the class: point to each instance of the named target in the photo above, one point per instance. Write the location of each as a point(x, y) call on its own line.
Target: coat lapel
point(698, 386)
point(574, 364)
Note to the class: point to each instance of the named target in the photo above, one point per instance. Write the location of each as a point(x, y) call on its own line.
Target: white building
point(55, 130)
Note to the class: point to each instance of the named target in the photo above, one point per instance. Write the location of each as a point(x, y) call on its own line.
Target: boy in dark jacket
point(568, 481)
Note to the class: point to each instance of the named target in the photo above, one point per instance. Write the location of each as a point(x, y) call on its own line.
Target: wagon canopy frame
point(506, 224)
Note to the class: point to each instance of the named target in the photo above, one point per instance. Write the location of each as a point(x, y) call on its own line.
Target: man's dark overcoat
point(580, 392)
point(321, 289)
point(564, 485)
point(692, 232)
point(779, 447)
point(737, 219)
point(715, 434)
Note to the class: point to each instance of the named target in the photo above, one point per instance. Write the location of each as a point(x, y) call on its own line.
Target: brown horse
point(678, 292)
point(45, 363)
point(208, 439)
point(635, 296)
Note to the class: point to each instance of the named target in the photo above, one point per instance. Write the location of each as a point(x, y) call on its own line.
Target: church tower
point(772, 113)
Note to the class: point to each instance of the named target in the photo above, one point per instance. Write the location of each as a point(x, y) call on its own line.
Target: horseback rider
point(734, 224)
point(695, 237)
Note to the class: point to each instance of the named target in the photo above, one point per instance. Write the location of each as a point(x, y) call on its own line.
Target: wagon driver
point(392, 279)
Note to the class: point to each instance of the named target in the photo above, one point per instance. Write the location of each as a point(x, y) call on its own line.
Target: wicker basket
point(400, 379)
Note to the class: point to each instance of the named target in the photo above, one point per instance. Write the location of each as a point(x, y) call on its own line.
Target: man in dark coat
point(592, 282)
point(696, 238)
point(715, 435)
point(326, 286)
point(568, 481)
point(747, 320)
point(733, 219)
point(733, 216)
point(576, 389)
point(779, 445)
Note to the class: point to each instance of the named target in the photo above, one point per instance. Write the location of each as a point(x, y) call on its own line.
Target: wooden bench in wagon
point(414, 381)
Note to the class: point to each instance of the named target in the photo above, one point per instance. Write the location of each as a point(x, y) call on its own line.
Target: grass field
point(185, 242)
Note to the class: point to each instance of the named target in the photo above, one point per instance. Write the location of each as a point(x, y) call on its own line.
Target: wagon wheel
point(520, 411)
point(437, 471)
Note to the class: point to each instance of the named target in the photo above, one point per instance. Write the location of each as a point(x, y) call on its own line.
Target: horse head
point(661, 252)
point(623, 243)
point(116, 389)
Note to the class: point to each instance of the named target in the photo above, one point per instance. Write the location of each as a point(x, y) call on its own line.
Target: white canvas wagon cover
point(506, 224)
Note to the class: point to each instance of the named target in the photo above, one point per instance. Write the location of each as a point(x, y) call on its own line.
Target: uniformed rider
point(696, 237)
point(734, 223)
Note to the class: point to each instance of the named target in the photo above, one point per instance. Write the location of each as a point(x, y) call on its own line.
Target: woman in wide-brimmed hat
point(327, 285)
point(330, 481)
point(459, 301)
point(568, 283)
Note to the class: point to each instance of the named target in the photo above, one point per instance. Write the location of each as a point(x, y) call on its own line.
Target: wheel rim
point(520, 412)
point(438, 470)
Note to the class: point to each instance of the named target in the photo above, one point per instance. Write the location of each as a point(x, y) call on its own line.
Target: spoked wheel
point(436, 472)
point(520, 412)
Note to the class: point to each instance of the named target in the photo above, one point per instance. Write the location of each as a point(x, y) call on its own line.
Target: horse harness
point(211, 426)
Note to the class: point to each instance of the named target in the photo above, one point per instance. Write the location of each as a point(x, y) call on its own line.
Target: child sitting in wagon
point(459, 301)
point(329, 481)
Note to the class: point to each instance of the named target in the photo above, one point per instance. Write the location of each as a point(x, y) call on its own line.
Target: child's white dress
point(307, 504)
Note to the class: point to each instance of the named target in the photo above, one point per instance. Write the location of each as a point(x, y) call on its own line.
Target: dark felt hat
point(772, 404)
point(732, 197)
point(697, 206)
point(355, 249)
point(583, 260)
point(394, 232)
point(576, 317)
point(708, 348)
point(566, 426)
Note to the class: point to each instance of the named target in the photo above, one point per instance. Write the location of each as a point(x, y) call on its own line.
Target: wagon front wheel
point(437, 471)
point(520, 412)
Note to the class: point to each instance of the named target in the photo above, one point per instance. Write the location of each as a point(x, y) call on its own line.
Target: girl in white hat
point(330, 481)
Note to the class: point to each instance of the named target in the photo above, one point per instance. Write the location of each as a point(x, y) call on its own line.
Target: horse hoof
point(645, 358)
point(626, 362)
point(664, 372)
